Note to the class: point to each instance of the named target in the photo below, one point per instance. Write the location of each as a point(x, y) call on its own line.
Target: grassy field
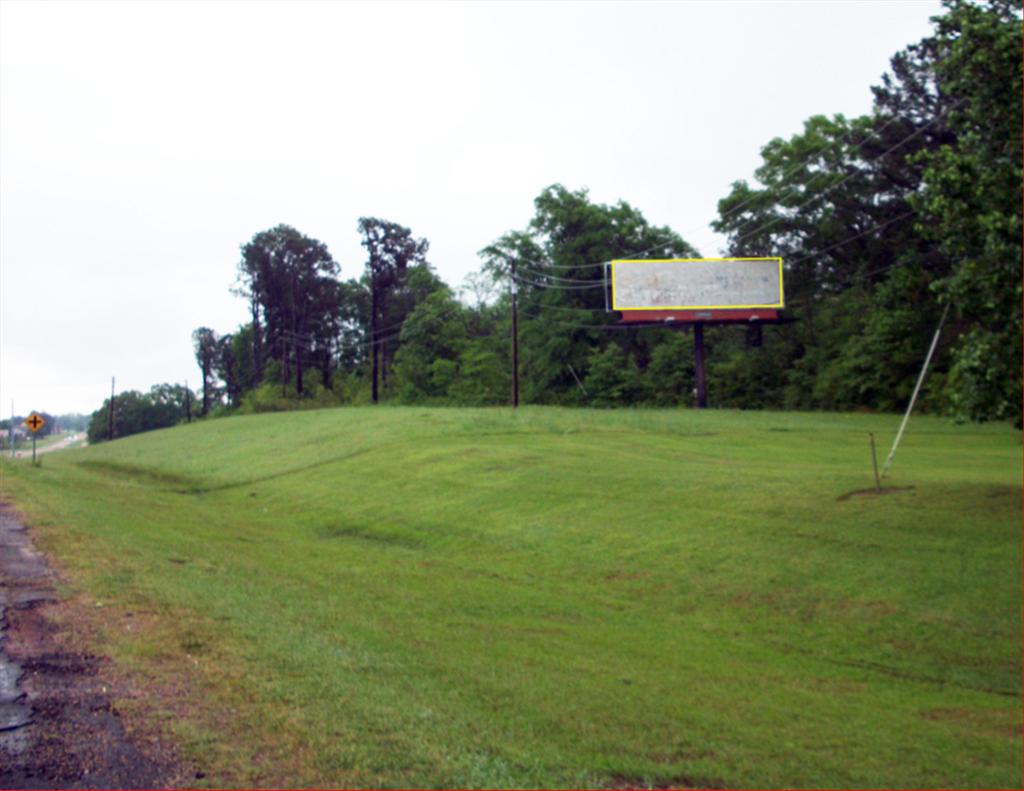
point(385, 597)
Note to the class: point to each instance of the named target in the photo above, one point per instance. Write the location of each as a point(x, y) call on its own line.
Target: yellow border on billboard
point(780, 304)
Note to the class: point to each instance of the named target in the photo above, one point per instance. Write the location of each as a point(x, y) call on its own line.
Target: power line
point(664, 243)
point(577, 325)
point(854, 237)
point(807, 158)
point(849, 176)
point(367, 344)
point(560, 287)
point(849, 239)
point(600, 284)
point(796, 166)
point(917, 389)
point(538, 273)
point(584, 285)
point(568, 309)
point(849, 282)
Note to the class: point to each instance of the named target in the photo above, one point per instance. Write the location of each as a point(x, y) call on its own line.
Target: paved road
point(59, 726)
point(60, 445)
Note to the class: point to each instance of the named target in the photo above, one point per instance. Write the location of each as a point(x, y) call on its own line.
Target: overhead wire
point(849, 176)
point(824, 250)
point(537, 273)
point(802, 163)
point(849, 239)
point(564, 308)
point(818, 149)
point(571, 284)
point(583, 285)
point(807, 158)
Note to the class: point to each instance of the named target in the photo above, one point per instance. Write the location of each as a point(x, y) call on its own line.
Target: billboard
point(697, 284)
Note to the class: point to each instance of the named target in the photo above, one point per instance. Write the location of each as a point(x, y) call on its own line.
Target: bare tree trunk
point(326, 368)
point(206, 389)
point(257, 344)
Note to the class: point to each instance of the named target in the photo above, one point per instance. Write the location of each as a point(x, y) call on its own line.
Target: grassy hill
point(556, 597)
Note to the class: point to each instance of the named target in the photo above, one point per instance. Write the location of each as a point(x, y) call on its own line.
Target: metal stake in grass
point(874, 463)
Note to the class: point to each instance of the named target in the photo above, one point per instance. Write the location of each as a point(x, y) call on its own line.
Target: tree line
point(883, 222)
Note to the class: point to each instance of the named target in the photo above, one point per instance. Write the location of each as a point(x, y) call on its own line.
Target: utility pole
point(11, 430)
point(515, 338)
point(373, 335)
point(188, 403)
point(698, 359)
point(110, 420)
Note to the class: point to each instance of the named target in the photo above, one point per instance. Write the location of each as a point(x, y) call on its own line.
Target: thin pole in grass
point(874, 463)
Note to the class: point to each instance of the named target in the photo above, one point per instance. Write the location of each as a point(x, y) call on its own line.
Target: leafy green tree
point(970, 203)
point(670, 376)
point(560, 280)
point(392, 251)
point(433, 336)
point(612, 378)
point(485, 361)
point(206, 344)
point(291, 282)
point(876, 215)
point(484, 372)
point(836, 211)
point(72, 421)
point(134, 412)
point(233, 363)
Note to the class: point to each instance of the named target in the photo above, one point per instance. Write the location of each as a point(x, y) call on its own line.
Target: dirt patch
point(873, 492)
point(676, 781)
point(378, 536)
point(999, 722)
point(63, 727)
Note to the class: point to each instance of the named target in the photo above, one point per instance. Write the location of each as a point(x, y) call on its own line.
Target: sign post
point(33, 423)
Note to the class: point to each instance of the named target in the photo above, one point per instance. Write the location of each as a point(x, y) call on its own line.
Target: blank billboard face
point(697, 283)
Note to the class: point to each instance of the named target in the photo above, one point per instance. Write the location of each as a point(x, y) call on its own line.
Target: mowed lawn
point(444, 597)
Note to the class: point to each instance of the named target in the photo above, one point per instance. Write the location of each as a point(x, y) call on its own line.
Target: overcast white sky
point(142, 143)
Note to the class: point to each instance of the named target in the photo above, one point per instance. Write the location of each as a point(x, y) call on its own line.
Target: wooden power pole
point(515, 338)
point(110, 420)
point(373, 337)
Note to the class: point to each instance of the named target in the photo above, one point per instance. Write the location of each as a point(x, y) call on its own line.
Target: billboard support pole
point(698, 359)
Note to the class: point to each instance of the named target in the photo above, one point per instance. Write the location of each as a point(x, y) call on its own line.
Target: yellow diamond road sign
point(34, 422)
